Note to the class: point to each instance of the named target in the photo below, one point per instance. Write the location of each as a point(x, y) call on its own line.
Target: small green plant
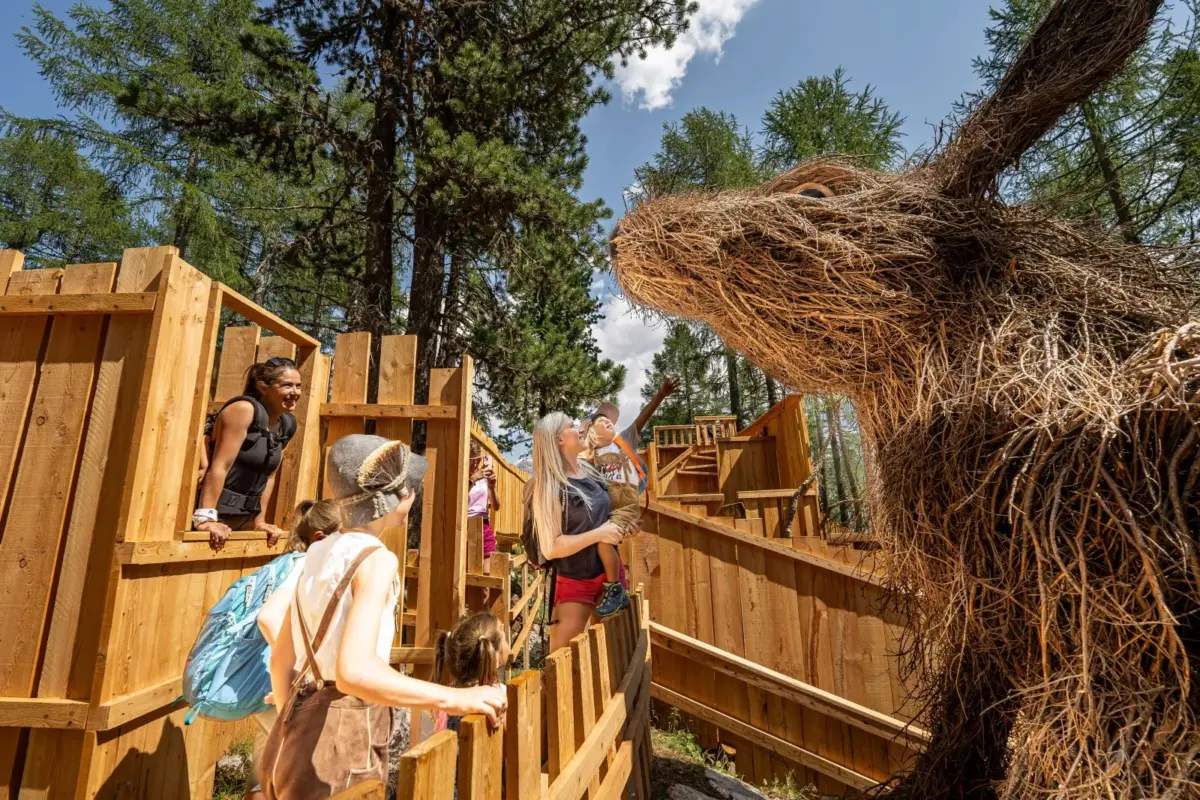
point(229, 784)
point(788, 790)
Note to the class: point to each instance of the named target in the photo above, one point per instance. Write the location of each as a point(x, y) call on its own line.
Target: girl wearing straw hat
point(330, 671)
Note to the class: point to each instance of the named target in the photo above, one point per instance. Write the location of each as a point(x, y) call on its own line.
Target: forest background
point(419, 166)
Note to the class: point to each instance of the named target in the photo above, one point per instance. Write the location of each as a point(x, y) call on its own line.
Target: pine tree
point(469, 133)
point(1125, 156)
point(55, 206)
point(822, 115)
point(231, 218)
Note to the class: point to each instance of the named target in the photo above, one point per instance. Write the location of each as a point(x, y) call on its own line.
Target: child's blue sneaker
point(613, 600)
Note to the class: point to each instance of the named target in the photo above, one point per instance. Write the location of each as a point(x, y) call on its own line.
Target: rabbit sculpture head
point(1033, 388)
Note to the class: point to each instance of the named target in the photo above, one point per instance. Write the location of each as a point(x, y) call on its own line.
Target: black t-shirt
point(582, 517)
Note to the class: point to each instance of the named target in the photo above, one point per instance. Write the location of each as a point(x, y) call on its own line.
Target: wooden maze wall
point(778, 647)
point(106, 374)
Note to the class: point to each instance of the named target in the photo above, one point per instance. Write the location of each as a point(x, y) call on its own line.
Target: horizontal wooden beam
point(255, 313)
point(773, 494)
point(789, 688)
point(781, 747)
point(120, 710)
point(412, 655)
point(46, 304)
point(196, 550)
point(766, 544)
point(707, 497)
point(385, 411)
point(412, 572)
point(37, 712)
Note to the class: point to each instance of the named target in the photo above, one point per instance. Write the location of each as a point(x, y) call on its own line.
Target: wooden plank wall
point(802, 613)
point(745, 464)
point(100, 421)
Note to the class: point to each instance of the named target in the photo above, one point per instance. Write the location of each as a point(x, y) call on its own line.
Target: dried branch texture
point(1034, 389)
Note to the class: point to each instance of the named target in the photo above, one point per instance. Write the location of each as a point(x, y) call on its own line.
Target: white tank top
point(324, 565)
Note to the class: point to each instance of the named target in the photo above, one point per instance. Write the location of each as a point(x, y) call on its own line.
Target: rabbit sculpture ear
point(1076, 49)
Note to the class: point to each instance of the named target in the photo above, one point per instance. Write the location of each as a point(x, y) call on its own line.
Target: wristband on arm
point(203, 515)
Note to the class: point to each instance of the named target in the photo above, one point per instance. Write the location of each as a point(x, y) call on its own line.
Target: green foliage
point(692, 354)
point(1124, 157)
point(54, 205)
point(822, 115)
point(705, 151)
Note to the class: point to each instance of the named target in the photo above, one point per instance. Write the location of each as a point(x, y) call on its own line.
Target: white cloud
point(657, 75)
point(630, 341)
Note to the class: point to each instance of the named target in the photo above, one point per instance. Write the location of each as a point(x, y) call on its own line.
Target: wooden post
point(351, 366)
point(558, 677)
point(441, 588)
point(523, 737)
point(427, 771)
point(480, 760)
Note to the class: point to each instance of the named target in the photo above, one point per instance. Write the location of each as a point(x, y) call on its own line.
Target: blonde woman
point(567, 505)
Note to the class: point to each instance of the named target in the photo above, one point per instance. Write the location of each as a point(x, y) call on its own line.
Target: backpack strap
point(261, 419)
point(633, 457)
point(313, 643)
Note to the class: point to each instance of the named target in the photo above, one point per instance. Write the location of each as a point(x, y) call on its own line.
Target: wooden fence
point(106, 375)
point(584, 720)
point(778, 648)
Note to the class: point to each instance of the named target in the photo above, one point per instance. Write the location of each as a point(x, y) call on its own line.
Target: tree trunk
point(735, 391)
point(819, 461)
point(183, 217)
point(1112, 180)
point(449, 351)
point(851, 482)
point(836, 456)
point(772, 390)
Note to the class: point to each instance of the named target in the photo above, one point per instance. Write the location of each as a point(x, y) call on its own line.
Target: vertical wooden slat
point(427, 771)
point(164, 416)
point(583, 696)
point(239, 348)
point(204, 375)
point(33, 531)
point(297, 476)
point(441, 588)
point(523, 737)
point(21, 341)
point(397, 382)
point(275, 346)
point(558, 678)
point(502, 600)
point(351, 367)
point(601, 679)
point(11, 262)
point(480, 760)
point(397, 377)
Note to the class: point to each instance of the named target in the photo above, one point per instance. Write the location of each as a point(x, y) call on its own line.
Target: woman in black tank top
point(244, 444)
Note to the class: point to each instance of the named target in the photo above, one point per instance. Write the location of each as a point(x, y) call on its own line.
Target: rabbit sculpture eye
point(1032, 389)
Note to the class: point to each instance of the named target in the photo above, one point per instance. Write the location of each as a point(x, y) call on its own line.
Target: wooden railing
point(711, 429)
point(596, 699)
point(676, 437)
point(781, 649)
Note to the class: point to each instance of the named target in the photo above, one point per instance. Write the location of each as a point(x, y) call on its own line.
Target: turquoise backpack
point(228, 671)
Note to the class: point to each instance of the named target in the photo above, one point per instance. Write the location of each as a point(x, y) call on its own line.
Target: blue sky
point(737, 55)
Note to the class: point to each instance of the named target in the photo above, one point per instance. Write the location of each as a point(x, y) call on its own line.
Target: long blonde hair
point(545, 493)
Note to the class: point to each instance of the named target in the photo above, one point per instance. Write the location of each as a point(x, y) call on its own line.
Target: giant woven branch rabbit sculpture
point(1033, 389)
